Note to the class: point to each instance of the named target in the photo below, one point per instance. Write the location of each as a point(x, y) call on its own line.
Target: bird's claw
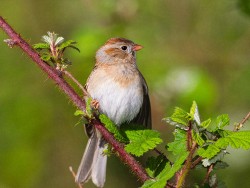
point(95, 104)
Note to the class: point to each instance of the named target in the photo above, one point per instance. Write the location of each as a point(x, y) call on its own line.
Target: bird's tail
point(94, 161)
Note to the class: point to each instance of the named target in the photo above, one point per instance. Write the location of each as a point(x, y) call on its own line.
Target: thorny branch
point(16, 40)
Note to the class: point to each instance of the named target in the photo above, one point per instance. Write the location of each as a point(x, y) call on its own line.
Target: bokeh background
point(194, 50)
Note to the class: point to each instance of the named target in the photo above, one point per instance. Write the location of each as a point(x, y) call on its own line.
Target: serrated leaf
point(222, 121)
point(234, 139)
point(177, 122)
point(112, 127)
point(198, 139)
point(213, 160)
point(179, 118)
point(178, 146)
point(155, 165)
point(205, 123)
point(40, 46)
point(68, 43)
point(167, 173)
point(194, 113)
point(210, 152)
point(224, 133)
point(160, 180)
point(141, 141)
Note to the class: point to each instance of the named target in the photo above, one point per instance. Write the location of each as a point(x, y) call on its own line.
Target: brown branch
point(181, 175)
point(244, 120)
point(209, 170)
point(191, 147)
point(74, 97)
point(197, 161)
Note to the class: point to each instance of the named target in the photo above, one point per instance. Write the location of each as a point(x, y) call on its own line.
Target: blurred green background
point(194, 50)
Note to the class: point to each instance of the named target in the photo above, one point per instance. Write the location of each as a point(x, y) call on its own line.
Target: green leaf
point(46, 57)
point(66, 44)
point(167, 173)
point(40, 46)
point(222, 121)
point(177, 122)
point(234, 139)
point(155, 165)
point(112, 128)
point(160, 180)
point(198, 139)
point(78, 112)
point(210, 152)
point(74, 47)
point(206, 123)
point(213, 160)
point(141, 141)
point(178, 146)
point(179, 118)
point(194, 113)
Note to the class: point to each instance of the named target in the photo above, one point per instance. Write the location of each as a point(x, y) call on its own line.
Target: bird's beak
point(137, 47)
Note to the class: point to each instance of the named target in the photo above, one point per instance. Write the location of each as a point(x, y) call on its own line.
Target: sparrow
point(122, 95)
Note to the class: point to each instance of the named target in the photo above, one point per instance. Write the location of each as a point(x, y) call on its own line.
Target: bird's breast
point(119, 93)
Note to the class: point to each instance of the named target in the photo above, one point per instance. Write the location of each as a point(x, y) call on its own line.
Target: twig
point(240, 125)
point(181, 175)
point(75, 98)
point(76, 82)
point(74, 175)
point(119, 148)
point(191, 147)
point(197, 161)
point(209, 170)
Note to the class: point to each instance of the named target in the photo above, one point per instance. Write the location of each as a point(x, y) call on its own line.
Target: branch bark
point(15, 39)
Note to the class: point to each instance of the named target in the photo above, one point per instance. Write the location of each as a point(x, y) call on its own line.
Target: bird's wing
point(144, 115)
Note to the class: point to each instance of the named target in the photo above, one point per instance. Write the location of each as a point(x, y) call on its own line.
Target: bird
point(122, 95)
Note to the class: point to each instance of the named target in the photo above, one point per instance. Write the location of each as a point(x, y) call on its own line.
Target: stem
point(76, 82)
point(181, 176)
point(209, 170)
point(240, 125)
point(197, 161)
point(73, 96)
point(119, 148)
point(191, 147)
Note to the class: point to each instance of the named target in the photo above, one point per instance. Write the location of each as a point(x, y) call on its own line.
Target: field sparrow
point(122, 94)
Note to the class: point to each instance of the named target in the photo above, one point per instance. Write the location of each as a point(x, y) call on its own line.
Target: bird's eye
point(124, 48)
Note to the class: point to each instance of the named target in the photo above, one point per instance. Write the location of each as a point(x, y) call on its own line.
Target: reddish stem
point(74, 97)
point(209, 170)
